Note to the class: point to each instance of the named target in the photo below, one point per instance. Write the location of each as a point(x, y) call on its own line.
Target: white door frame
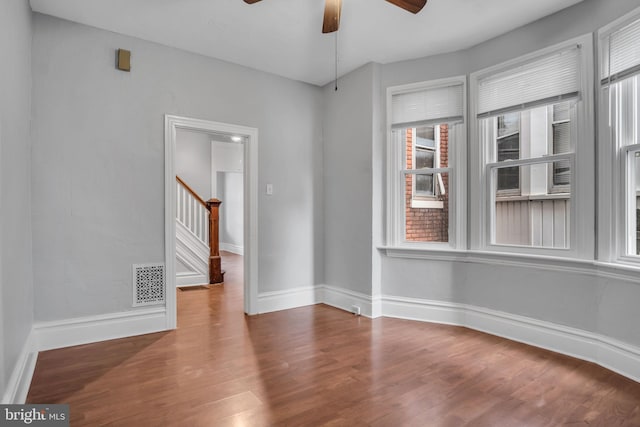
point(172, 123)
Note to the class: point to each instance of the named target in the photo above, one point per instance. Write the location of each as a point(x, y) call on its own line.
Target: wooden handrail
point(193, 193)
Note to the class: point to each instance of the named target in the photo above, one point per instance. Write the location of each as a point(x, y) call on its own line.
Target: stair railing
point(202, 219)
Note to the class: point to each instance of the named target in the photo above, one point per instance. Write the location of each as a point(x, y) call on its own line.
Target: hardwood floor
point(321, 366)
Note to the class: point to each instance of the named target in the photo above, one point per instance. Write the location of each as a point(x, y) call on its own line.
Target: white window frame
point(558, 188)
point(630, 200)
point(583, 180)
point(436, 163)
point(457, 170)
point(614, 186)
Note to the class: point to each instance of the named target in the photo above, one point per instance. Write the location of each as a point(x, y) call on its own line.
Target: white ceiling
point(284, 36)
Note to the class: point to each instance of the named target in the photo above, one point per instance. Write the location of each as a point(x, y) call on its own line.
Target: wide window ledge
point(623, 264)
point(612, 270)
point(435, 251)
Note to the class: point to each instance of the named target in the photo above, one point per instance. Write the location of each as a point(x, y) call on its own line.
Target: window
point(633, 200)
point(620, 81)
point(527, 140)
point(425, 133)
point(508, 148)
point(532, 201)
point(625, 112)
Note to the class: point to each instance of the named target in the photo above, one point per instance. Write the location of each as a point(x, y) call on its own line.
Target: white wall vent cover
point(148, 284)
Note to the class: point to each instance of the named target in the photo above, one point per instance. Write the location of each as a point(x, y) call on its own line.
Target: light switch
point(269, 189)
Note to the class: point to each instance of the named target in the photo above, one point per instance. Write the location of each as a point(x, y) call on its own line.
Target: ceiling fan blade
point(331, 21)
point(413, 6)
point(251, 1)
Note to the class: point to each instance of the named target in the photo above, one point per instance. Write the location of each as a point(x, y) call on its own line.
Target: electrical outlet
point(355, 310)
point(269, 189)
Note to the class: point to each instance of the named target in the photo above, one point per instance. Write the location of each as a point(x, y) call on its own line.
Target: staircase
point(196, 246)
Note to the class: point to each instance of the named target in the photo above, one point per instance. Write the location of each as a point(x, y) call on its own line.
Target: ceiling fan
point(332, 11)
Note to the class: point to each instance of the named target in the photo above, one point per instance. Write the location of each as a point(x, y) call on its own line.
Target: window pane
point(535, 219)
point(561, 138)
point(562, 173)
point(427, 219)
point(561, 143)
point(509, 149)
point(424, 185)
point(425, 158)
point(425, 136)
point(508, 179)
point(508, 124)
point(561, 112)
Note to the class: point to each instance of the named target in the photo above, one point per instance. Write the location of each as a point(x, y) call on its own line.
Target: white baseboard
point(607, 352)
point(234, 249)
point(83, 330)
point(290, 298)
point(191, 279)
point(345, 299)
point(20, 379)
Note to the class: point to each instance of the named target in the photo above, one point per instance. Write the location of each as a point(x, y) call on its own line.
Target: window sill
point(614, 270)
point(426, 204)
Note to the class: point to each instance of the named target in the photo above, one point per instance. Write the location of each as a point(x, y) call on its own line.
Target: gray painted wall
point(227, 163)
point(231, 191)
point(98, 162)
point(348, 177)
point(193, 161)
point(16, 279)
point(225, 157)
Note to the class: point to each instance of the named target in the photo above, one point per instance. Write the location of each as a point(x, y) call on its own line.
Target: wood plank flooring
point(321, 366)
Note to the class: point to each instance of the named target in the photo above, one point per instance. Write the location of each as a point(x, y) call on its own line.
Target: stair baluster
point(202, 219)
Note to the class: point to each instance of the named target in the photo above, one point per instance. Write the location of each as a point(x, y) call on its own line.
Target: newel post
point(216, 275)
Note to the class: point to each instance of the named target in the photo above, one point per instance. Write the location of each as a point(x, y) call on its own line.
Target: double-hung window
point(426, 146)
point(620, 82)
point(533, 163)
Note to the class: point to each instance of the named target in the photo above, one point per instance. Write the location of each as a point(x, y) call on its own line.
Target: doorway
point(249, 137)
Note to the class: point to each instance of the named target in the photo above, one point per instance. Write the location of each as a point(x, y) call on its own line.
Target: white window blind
point(622, 55)
point(428, 107)
point(545, 80)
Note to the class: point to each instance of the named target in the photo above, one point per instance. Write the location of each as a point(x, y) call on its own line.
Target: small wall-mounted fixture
point(123, 60)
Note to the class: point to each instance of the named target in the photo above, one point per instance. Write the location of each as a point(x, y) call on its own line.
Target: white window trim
point(457, 169)
point(583, 199)
point(612, 164)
